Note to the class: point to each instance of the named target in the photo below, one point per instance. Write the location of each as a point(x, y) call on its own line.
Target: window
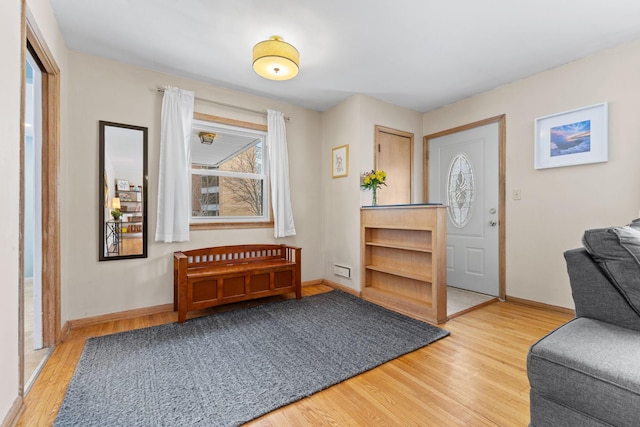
point(229, 181)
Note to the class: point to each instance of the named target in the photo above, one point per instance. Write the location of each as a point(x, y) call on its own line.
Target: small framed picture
point(574, 137)
point(340, 161)
point(122, 185)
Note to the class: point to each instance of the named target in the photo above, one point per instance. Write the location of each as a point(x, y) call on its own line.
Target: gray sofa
point(587, 372)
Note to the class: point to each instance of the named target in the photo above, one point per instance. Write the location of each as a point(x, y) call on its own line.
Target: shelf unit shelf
point(132, 211)
point(403, 247)
point(400, 273)
point(404, 259)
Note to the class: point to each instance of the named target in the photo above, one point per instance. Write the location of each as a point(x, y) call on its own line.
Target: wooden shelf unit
point(131, 207)
point(404, 263)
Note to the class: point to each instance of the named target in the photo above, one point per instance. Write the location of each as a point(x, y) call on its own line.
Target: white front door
point(464, 175)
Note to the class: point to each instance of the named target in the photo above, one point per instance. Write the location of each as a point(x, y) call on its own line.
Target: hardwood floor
point(131, 244)
point(475, 377)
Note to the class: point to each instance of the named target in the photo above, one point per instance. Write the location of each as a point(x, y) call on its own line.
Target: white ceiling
point(420, 54)
point(124, 150)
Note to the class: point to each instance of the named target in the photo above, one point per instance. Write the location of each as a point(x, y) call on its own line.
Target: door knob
point(493, 223)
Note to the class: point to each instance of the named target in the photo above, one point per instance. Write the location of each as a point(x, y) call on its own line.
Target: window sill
point(229, 225)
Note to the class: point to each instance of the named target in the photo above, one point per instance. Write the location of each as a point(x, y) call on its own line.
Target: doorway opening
point(464, 168)
point(34, 348)
point(39, 246)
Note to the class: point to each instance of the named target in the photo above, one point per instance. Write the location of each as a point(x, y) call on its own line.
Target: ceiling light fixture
point(274, 59)
point(207, 137)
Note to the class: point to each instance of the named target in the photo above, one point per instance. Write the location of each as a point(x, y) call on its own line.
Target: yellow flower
point(373, 179)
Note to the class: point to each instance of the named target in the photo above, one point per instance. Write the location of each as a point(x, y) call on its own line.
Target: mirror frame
point(145, 190)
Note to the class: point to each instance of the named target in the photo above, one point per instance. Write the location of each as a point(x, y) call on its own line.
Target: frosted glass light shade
point(275, 59)
point(115, 203)
point(207, 137)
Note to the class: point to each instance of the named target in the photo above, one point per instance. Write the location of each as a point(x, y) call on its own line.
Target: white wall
point(559, 204)
point(353, 122)
point(9, 192)
point(108, 90)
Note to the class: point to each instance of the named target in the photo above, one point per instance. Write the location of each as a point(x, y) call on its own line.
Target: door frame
point(51, 330)
point(502, 136)
point(376, 140)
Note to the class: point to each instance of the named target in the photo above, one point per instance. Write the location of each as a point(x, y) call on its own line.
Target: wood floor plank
point(475, 377)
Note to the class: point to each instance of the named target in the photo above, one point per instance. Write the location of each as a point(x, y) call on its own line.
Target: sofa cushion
point(617, 251)
point(593, 293)
point(590, 366)
point(546, 412)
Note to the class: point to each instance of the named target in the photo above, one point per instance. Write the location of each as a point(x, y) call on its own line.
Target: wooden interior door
point(394, 155)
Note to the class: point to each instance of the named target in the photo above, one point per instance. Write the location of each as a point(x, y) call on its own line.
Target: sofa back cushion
point(617, 252)
point(594, 294)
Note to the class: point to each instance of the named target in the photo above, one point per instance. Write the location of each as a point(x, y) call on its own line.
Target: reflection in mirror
point(228, 174)
point(123, 191)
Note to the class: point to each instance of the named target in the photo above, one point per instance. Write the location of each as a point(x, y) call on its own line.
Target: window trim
point(214, 225)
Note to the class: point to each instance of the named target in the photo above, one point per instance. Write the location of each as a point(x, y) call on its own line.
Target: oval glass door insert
point(460, 190)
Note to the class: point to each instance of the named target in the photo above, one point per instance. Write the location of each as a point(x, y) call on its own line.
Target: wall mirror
point(122, 191)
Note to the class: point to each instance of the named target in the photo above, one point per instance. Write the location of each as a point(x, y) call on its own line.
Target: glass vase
point(374, 198)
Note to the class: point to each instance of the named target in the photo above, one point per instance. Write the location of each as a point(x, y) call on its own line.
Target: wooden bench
point(209, 277)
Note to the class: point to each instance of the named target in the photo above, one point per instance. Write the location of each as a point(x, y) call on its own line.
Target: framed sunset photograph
point(573, 137)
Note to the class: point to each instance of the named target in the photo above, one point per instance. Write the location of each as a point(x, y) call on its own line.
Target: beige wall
point(42, 19)
point(559, 204)
point(341, 201)
point(9, 192)
point(353, 122)
point(376, 112)
point(108, 90)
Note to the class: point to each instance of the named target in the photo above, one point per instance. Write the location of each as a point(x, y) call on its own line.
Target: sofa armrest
point(594, 296)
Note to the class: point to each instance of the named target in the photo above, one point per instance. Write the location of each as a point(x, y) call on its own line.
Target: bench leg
point(182, 315)
point(175, 295)
point(182, 301)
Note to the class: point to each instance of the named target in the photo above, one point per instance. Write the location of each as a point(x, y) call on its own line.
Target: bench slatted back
point(229, 255)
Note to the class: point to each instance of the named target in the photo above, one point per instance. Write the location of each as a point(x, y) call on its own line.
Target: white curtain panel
point(279, 175)
point(174, 181)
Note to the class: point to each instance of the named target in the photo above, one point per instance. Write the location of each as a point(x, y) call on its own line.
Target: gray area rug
point(229, 368)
